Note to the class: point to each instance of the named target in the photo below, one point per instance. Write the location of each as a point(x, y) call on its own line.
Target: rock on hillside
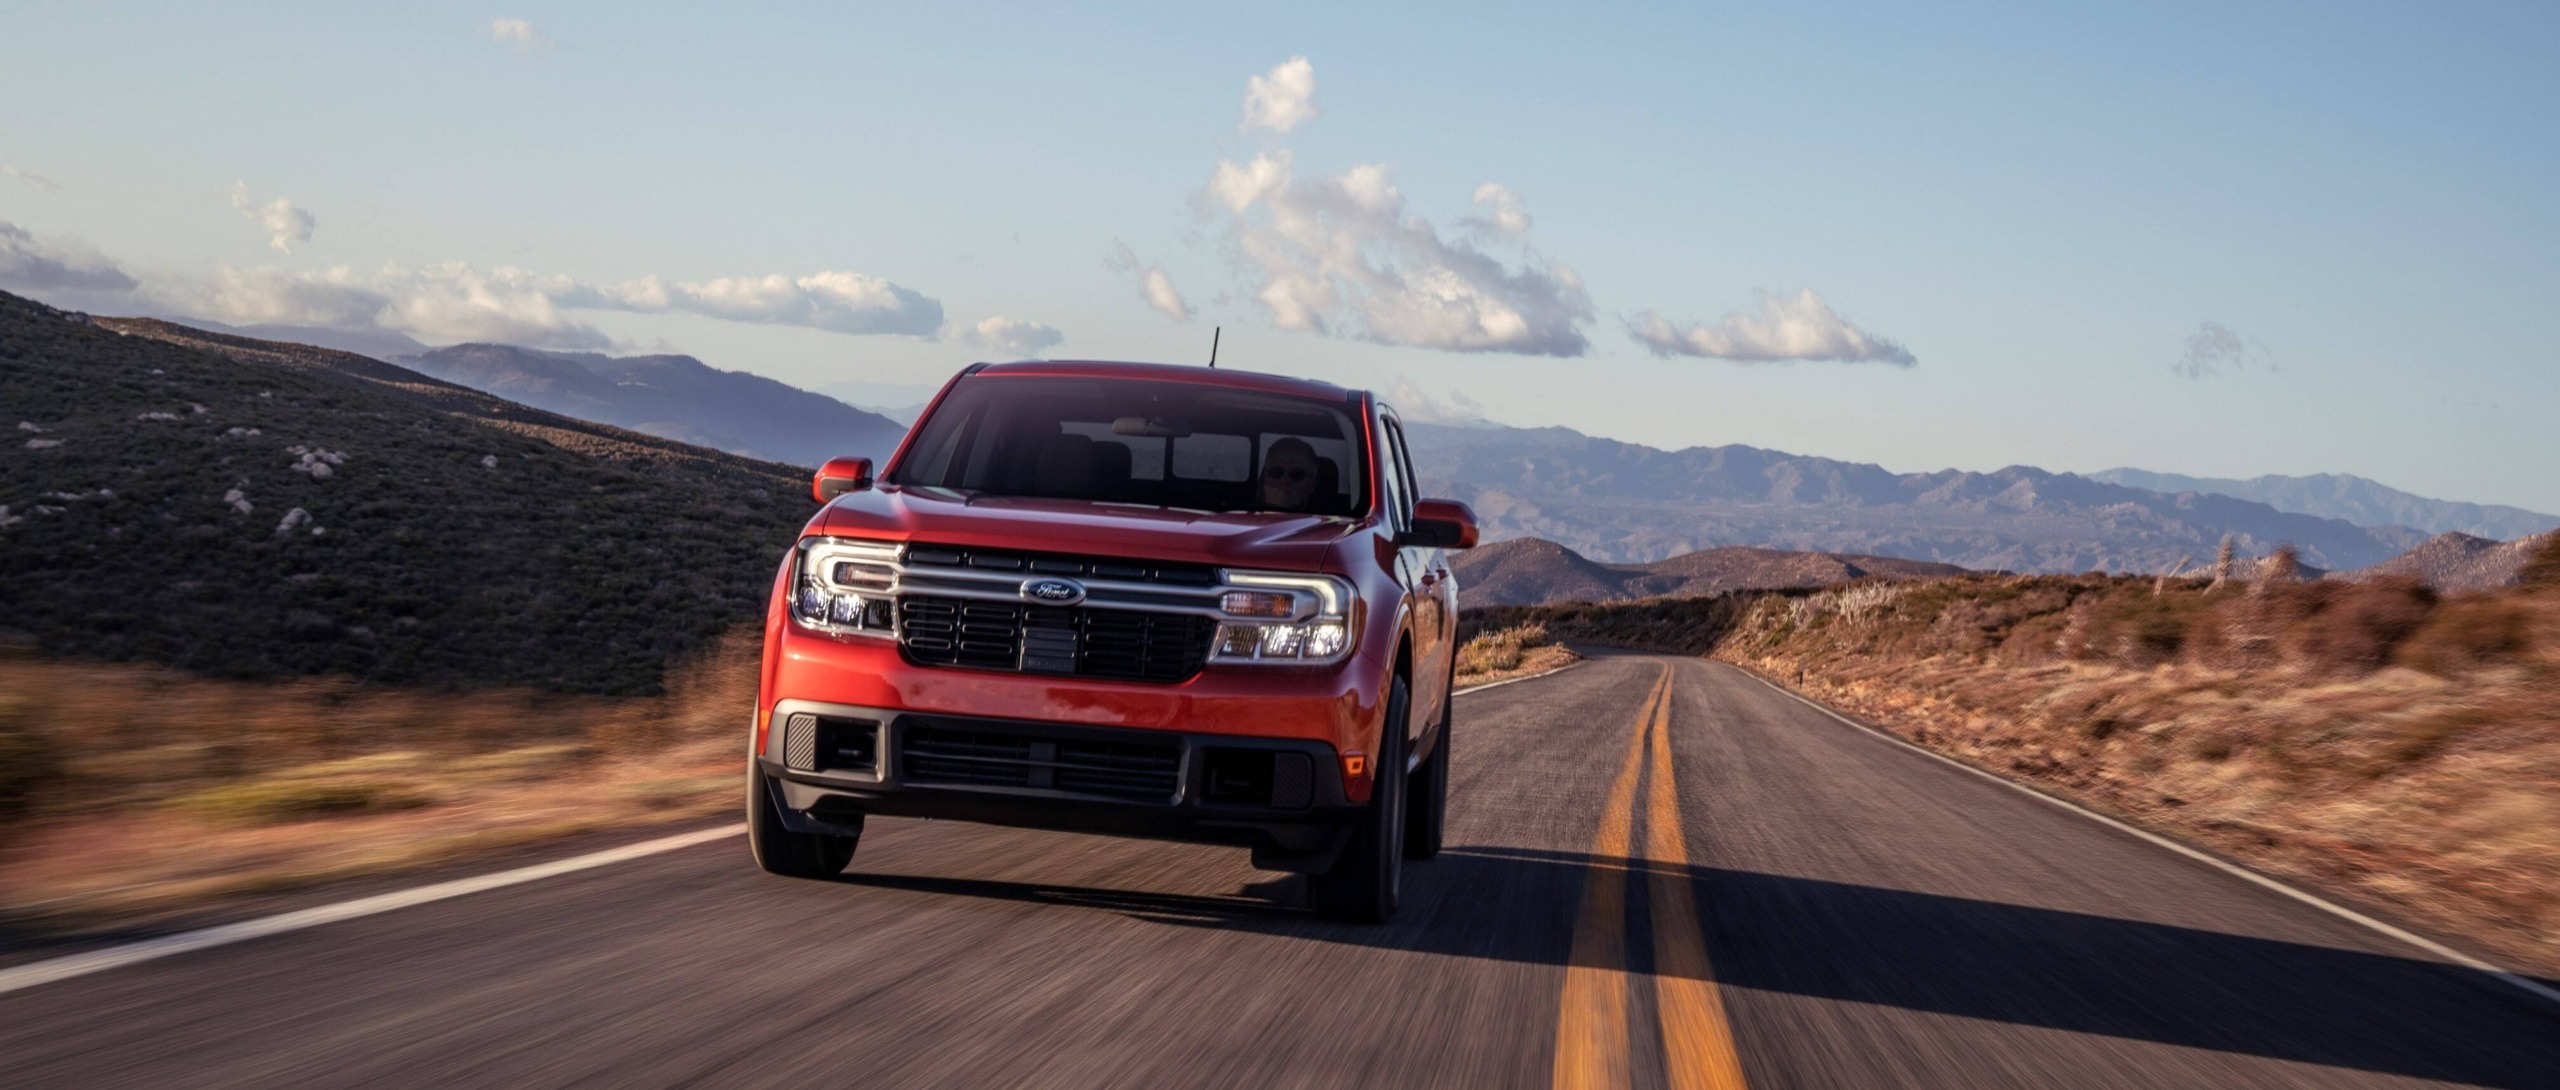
point(1530, 571)
point(253, 509)
point(2461, 562)
point(678, 397)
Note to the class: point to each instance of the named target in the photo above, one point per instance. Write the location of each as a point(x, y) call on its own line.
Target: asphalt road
point(1660, 872)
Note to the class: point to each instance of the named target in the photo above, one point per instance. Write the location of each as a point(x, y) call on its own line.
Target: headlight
point(844, 587)
point(1283, 620)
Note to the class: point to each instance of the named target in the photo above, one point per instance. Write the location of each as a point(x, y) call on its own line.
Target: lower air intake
point(970, 754)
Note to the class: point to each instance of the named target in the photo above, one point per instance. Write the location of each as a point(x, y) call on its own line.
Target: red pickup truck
point(1131, 599)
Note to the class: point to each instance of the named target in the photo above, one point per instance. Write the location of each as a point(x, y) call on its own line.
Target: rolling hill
point(2460, 562)
point(1530, 571)
point(255, 509)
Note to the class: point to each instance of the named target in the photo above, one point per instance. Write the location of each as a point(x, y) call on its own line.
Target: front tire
point(1427, 807)
point(1367, 880)
point(779, 850)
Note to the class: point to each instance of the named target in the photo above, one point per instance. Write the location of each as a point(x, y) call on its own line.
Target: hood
point(1241, 538)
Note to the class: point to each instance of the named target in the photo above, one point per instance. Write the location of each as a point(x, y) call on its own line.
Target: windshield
point(1115, 440)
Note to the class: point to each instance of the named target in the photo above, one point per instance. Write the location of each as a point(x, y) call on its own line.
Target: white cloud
point(1153, 285)
point(455, 301)
point(27, 264)
point(518, 35)
point(285, 223)
point(1160, 295)
point(39, 181)
point(268, 295)
point(1283, 98)
point(1503, 215)
point(1788, 327)
point(1014, 336)
point(2212, 349)
point(1241, 187)
point(1343, 254)
point(840, 302)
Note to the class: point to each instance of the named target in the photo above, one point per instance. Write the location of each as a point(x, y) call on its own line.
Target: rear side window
point(1142, 441)
point(1398, 483)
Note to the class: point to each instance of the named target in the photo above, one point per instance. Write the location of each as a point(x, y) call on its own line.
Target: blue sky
point(2040, 208)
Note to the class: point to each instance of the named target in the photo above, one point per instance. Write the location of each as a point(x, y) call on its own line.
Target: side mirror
point(839, 476)
point(1441, 524)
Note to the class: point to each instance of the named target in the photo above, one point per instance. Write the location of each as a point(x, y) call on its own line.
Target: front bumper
point(1340, 705)
point(1282, 797)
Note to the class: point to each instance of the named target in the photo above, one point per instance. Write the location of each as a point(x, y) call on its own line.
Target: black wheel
point(779, 850)
point(1363, 885)
point(1426, 807)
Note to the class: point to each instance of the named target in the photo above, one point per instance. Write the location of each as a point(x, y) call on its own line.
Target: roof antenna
point(1214, 331)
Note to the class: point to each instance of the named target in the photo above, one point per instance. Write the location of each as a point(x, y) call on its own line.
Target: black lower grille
point(1114, 644)
point(981, 756)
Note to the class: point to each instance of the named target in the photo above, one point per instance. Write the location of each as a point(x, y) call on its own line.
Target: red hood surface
point(1244, 539)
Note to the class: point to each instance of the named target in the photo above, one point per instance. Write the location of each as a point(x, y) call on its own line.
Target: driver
point(1289, 476)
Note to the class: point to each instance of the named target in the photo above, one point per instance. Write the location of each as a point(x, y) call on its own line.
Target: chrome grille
point(1112, 644)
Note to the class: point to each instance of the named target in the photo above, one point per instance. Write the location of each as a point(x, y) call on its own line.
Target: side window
point(1404, 468)
point(1399, 501)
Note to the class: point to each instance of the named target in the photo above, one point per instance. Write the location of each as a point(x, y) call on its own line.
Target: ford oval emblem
point(1054, 592)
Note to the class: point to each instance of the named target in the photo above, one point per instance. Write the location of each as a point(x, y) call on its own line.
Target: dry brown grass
point(2372, 740)
point(136, 789)
point(1517, 651)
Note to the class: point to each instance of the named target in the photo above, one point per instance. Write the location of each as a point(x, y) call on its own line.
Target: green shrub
point(2468, 632)
point(2542, 571)
point(261, 802)
point(1495, 652)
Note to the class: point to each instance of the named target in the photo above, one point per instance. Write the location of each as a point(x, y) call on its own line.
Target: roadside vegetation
point(2376, 740)
point(1517, 651)
point(126, 790)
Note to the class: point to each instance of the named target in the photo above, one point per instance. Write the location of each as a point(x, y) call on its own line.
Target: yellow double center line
point(1592, 1042)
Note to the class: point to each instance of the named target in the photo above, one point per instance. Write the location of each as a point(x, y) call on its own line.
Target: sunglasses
point(1287, 473)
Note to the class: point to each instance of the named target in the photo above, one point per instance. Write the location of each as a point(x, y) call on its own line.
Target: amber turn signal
point(1258, 603)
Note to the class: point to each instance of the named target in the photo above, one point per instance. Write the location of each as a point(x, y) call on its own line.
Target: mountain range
point(677, 397)
point(672, 396)
point(2356, 499)
point(380, 344)
point(1629, 503)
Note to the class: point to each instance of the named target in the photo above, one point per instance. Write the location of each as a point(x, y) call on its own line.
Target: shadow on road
point(1925, 952)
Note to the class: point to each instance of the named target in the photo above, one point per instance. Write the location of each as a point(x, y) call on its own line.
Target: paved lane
point(1661, 873)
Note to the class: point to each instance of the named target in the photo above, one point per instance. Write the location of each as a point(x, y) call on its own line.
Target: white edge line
point(2226, 866)
point(116, 957)
point(1516, 680)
